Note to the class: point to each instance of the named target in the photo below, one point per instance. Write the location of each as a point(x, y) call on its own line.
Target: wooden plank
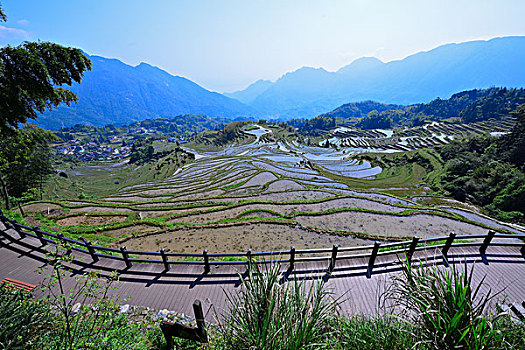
point(18, 284)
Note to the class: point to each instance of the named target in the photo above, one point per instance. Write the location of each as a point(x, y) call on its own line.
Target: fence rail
point(291, 257)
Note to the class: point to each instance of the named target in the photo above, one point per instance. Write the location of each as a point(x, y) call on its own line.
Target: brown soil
point(204, 194)
point(258, 237)
point(282, 185)
point(136, 198)
point(134, 229)
point(156, 213)
point(90, 220)
point(422, 225)
point(93, 209)
point(40, 207)
point(260, 179)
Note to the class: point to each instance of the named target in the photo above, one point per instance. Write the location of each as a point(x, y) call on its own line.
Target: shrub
point(87, 316)
point(21, 318)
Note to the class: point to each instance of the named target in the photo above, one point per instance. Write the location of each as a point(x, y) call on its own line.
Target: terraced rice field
point(433, 134)
point(263, 196)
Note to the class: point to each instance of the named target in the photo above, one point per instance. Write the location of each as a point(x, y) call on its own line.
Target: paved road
point(148, 285)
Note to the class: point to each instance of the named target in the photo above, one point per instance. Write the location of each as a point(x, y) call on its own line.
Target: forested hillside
point(467, 106)
point(489, 172)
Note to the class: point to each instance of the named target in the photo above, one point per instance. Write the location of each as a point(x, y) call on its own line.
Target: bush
point(87, 316)
point(21, 318)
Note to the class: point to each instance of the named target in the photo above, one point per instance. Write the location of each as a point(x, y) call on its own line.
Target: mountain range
point(421, 77)
point(117, 93)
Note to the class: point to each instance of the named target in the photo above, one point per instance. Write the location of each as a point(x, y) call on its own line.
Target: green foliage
point(357, 110)
point(79, 325)
point(141, 152)
point(3, 17)
point(268, 315)
point(374, 120)
point(440, 309)
point(182, 126)
point(21, 318)
point(14, 215)
point(25, 160)
point(448, 311)
point(470, 106)
point(512, 146)
point(29, 76)
point(476, 170)
point(381, 333)
point(230, 132)
point(499, 103)
point(317, 124)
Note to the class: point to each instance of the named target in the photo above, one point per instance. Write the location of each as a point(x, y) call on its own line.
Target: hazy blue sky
point(226, 45)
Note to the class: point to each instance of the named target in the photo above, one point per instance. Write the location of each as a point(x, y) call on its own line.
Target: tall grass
point(377, 333)
point(270, 315)
point(449, 312)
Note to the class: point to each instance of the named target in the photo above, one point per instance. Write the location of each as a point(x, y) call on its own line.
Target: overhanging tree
point(31, 79)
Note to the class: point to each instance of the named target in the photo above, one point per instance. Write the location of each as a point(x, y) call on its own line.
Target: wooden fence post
point(60, 236)
point(164, 259)
point(412, 248)
point(372, 259)
point(90, 249)
point(249, 256)
point(19, 230)
point(8, 224)
point(333, 258)
point(126, 257)
point(199, 318)
point(292, 258)
point(62, 240)
point(199, 334)
point(206, 261)
point(448, 243)
point(486, 242)
point(40, 236)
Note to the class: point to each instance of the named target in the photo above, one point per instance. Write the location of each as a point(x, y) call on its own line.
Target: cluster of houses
point(119, 148)
point(91, 151)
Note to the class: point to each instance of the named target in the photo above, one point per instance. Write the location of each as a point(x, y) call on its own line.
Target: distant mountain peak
point(144, 64)
point(307, 69)
point(362, 63)
point(417, 78)
point(251, 92)
point(117, 93)
point(366, 60)
point(303, 74)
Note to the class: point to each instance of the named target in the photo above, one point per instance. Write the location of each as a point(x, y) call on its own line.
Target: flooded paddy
point(270, 196)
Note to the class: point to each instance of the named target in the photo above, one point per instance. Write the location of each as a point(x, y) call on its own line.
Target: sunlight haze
point(227, 45)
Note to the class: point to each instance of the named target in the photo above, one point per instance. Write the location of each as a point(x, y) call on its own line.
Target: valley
point(268, 190)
